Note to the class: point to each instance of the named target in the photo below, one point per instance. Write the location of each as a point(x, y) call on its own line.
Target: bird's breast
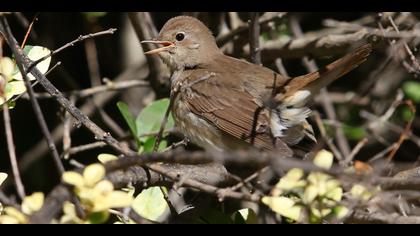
point(196, 129)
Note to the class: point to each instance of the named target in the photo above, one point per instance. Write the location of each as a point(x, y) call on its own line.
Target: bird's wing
point(228, 107)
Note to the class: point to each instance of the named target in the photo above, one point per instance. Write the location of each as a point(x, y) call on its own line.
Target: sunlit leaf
point(292, 180)
point(73, 178)
point(6, 68)
point(93, 174)
point(324, 159)
point(13, 212)
point(35, 53)
point(3, 177)
point(283, 206)
point(340, 211)
point(104, 186)
point(32, 203)
point(360, 191)
point(105, 157)
point(150, 203)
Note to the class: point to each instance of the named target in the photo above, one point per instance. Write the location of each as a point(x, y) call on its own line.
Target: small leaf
point(73, 178)
point(324, 159)
point(149, 144)
point(340, 211)
point(283, 206)
point(150, 203)
point(360, 191)
point(354, 132)
point(412, 90)
point(98, 217)
point(129, 118)
point(291, 181)
point(92, 16)
point(35, 53)
point(6, 68)
point(245, 216)
point(119, 199)
point(13, 212)
point(311, 192)
point(335, 194)
point(104, 187)
point(3, 177)
point(33, 203)
point(14, 88)
point(105, 157)
point(150, 118)
point(93, 174)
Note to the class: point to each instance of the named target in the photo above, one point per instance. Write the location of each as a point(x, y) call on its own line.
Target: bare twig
point(66, 131)
point(70, 44)
point(254, 38)
point(109, 87)
point(37, 109)
point(12, 154)
point(355, 151)
point(142, 23)
point(29, 30)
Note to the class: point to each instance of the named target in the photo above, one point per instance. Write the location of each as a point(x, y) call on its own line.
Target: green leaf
point(129, 118)
point(35, 53)
point(412, 90)
point(13, 88)
point(151, 117)
point(149, 144)
point(92, 16)
point(98, 217)
point(353, 132)
point(150, 203)
point(215, 217)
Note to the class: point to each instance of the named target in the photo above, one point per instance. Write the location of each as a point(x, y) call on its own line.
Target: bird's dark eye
point(180, 36)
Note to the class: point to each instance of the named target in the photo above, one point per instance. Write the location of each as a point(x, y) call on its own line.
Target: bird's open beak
point(166, 46)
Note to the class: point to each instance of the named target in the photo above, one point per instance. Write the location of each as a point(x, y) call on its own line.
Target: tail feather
point(313, 82)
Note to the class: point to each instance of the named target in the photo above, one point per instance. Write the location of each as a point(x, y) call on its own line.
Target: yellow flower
point(95, 193)
point(30, 205)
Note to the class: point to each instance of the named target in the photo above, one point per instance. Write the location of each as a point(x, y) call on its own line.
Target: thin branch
point(109, 87)
point(141, 22)
point(70, 44)
point(355, 151)
point(254, 38)
point(29, 30)
point(4, 26)
point(12, 154)
point(66, 131)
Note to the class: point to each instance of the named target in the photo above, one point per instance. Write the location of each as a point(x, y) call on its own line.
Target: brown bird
point(224, 103)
